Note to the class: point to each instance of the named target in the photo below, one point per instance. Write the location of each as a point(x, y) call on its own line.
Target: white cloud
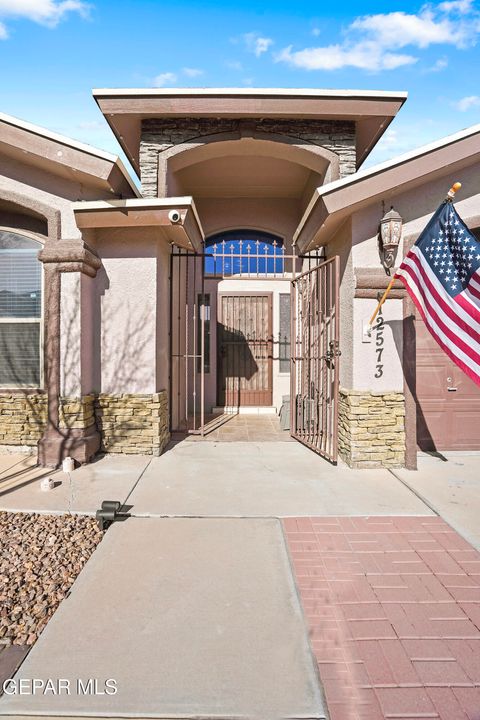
point(316, 31)
point(256, 43)
point(399, 29)
point(373, 42)
point(468, 102)
point(44, 12)
point(365, 56)
point(192, 72)
point(163, 79)
point(3, 32)
point(437, 66)
point(462, 7)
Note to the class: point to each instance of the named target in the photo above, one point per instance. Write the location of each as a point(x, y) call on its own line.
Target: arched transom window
point(244, 252)
point(20, 310)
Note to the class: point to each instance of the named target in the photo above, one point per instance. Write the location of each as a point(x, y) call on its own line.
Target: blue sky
point(53, 52)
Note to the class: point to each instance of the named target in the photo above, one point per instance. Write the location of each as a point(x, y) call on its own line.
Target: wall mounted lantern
point(390, 234)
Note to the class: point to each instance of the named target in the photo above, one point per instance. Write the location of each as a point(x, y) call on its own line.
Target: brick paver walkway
point(393, 607)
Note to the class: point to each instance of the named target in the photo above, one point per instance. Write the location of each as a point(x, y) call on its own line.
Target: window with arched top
point(20, 310)
point(244, 252)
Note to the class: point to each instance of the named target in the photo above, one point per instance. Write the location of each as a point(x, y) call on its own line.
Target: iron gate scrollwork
point(314, 362)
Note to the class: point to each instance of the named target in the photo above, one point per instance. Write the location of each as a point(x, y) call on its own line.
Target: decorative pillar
point(71, 429)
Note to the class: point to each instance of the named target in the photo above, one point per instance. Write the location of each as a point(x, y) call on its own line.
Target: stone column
point(70, 429)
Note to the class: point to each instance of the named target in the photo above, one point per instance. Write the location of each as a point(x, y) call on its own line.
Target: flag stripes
point(441, 273)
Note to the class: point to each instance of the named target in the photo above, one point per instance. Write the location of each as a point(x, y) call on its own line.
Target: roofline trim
point(288, 92)
point(381, 167)
point(138, 204)
point(69, 142)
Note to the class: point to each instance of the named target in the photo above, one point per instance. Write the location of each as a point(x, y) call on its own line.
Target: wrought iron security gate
point(196, 330)
point(189, 316)
point(198, 304)
point(314, 362)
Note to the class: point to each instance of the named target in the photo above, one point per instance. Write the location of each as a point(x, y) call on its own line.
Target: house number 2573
point(379, 341)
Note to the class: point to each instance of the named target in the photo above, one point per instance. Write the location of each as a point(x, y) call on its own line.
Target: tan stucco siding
point(126, 306)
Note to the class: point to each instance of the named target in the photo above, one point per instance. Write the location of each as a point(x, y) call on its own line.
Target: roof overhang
point(66, 158)
point(332, 204)
point(124, 109)
point(186, 232)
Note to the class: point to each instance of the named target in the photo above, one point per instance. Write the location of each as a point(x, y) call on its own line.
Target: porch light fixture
point(390, 234)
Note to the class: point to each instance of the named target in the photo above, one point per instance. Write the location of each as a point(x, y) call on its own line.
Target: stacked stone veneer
point(161, 134)
point(133, 424)
point(23, 418)
point(127, 423)
point(372, 428)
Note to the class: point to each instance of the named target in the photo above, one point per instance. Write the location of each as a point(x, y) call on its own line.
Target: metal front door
point(244, 337)
point(314, 362)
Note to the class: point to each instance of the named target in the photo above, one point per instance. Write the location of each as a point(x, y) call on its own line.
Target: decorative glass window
point(284, 333)
point(205, 308)
point(244, 252)
point(20, 310)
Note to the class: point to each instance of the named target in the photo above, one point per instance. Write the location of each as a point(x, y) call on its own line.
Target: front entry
point(244, 350)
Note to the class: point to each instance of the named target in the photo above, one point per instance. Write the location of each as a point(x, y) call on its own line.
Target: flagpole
point(449, 197)
point(380, 303)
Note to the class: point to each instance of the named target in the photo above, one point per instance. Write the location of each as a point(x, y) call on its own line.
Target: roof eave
point(59, 150)
point(331, 203)
point(125, 108)
point(186, 233)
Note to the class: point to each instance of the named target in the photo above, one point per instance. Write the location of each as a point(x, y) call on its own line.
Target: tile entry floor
point(243, 428)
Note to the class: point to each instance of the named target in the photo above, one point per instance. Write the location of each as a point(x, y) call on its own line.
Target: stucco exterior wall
point(273, 215)
point(124, 307)
point(159, 135)
point(46, 188)
point(70, 338)
point(377, 359)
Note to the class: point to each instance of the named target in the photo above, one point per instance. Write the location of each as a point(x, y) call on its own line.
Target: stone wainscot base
point(371, 428)
point(127, 423)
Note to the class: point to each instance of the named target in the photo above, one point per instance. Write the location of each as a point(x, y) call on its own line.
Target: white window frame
point(40, 320)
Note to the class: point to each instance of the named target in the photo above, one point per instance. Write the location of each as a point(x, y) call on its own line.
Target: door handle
point(452, 389)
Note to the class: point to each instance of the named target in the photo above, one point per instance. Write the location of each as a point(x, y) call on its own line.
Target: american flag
point(442, 275)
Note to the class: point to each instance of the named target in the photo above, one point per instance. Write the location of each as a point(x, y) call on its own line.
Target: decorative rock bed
point(40, 557)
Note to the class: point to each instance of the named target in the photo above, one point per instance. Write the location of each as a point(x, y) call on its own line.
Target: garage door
point(448, 402)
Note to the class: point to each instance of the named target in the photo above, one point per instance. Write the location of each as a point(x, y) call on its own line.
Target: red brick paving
point(393, 607)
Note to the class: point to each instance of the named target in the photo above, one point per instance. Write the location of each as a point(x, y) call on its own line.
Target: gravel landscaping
point(40, 557)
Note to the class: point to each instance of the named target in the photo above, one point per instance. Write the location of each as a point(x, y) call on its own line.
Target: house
point(240, 279)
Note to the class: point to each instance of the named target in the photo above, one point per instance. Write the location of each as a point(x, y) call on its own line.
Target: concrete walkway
point(451, 485)
point(207, 479)
point(190, 605)
point(258, 479)
point(192, 618)
point(82, 491)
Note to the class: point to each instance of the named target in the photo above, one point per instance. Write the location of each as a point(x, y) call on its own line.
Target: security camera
point(174, 216)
